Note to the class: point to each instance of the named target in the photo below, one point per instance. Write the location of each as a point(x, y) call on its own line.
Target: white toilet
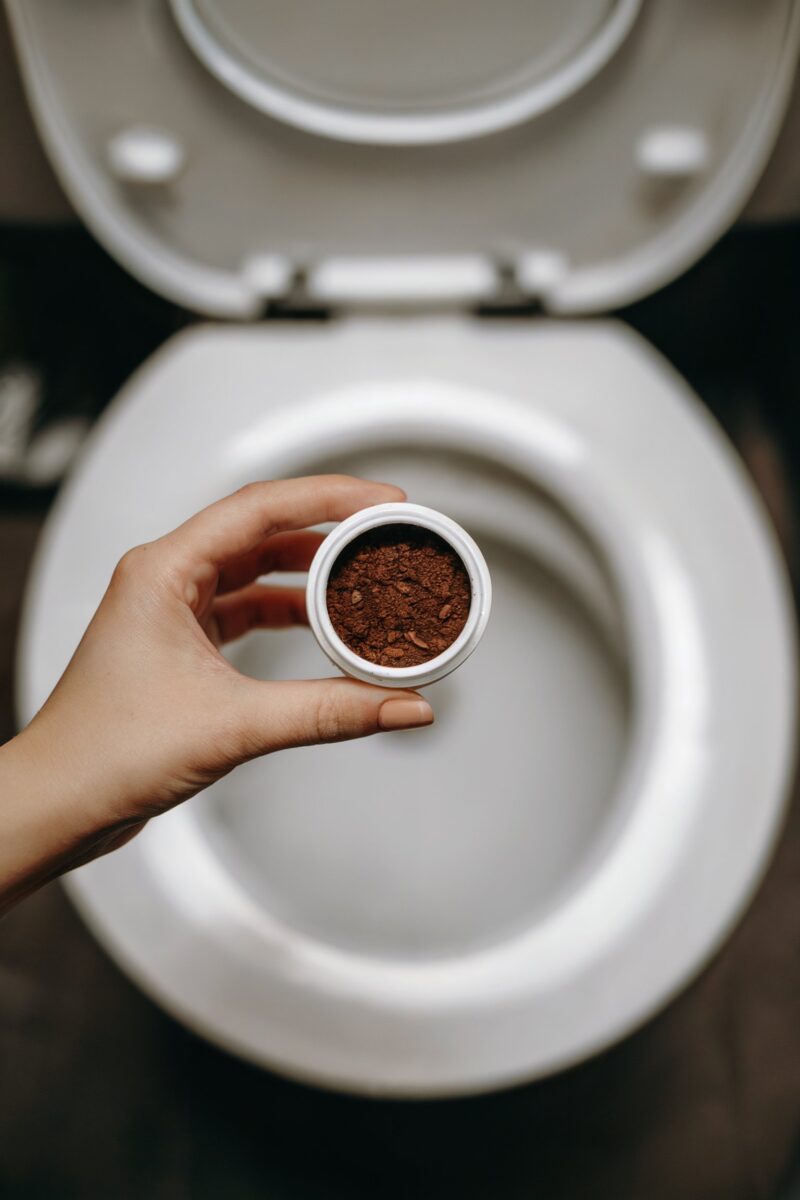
point(482, 903)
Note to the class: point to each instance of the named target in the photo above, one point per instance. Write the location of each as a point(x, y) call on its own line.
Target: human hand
point(149, 711)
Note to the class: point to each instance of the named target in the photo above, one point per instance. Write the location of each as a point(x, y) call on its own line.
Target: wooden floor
point(18, 534)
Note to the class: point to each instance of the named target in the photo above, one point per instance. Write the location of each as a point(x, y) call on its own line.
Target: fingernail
point(404, 714)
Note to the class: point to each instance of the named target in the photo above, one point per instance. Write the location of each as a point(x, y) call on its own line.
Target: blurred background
point(105, 1096)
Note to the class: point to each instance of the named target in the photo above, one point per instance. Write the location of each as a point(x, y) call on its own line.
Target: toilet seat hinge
point(487, 285)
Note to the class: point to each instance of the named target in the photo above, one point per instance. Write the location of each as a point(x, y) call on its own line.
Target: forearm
point(149, 711)
point(48, 825)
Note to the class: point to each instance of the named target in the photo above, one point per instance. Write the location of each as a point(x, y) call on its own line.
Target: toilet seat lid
point(591, 414)
point(588, 152)
point(405, 74)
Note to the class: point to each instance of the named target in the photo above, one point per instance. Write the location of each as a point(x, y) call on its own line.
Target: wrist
point(48, 822)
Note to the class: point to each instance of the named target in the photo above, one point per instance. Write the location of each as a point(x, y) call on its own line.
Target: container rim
point(398, 513)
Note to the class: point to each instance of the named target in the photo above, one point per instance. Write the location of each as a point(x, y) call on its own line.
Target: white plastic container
point(398, 514)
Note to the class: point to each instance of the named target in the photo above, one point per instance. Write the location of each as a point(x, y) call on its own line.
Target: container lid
point(577, 152)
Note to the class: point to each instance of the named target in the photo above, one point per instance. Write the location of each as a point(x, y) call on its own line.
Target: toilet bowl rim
point(502, 430)
point(379, 1079)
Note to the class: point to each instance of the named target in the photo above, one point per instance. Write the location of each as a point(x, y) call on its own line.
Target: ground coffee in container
point(398, 595)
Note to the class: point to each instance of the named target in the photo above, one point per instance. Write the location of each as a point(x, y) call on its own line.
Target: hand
point(149, 711)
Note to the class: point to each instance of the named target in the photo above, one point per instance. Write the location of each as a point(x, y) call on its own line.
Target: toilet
point(404, 224)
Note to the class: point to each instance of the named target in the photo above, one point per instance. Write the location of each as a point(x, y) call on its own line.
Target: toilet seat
point(701, 791)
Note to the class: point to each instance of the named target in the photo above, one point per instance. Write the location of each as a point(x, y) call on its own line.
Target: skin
point(149, 712)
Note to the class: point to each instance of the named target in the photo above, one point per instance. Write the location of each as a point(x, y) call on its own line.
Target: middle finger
point(281, 552)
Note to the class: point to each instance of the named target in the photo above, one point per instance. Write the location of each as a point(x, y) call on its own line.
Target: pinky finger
point(256, 607)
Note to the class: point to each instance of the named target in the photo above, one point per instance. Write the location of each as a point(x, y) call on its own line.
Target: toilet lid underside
point(596, 420)
point(620, 178)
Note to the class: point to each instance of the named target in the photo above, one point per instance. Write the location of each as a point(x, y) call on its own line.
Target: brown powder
point(398, 595)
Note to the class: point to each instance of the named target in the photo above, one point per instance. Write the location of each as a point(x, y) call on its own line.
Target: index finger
point(237, 524)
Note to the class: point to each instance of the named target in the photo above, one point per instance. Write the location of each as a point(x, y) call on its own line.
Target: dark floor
point(104, 1096)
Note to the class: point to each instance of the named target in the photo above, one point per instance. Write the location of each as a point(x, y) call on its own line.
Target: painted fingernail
point(404, 714)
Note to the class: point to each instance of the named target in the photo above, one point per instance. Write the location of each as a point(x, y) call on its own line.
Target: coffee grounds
point(398, 595)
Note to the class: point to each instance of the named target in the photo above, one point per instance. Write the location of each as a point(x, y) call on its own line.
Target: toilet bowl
point(507, 893)
point(528, 881)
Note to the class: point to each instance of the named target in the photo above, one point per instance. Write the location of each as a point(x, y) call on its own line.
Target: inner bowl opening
point(440, 842)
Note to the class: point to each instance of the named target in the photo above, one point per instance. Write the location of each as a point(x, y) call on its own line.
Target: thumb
point(306, 712)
